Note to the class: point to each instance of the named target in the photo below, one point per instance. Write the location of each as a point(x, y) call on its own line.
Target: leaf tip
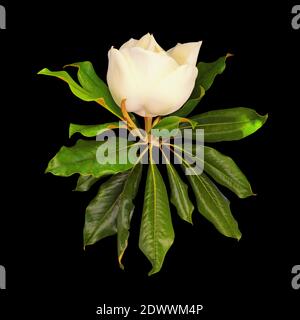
point(71, 65)
point(152, 272)
point(265, 118)
point(43, 71)
point(121, 265)
point(229, 55)
point(71, 132)
point(120, 260)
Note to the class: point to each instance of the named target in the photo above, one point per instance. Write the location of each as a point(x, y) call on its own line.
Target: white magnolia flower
point(153, 81)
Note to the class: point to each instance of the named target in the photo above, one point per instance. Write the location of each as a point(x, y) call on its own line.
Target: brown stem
point(148, 124)
point(126, 115)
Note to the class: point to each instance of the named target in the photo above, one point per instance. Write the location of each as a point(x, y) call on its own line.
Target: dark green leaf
point(224, 170)
point(171, 123)
point(111, 210)
point(92, 87)
point(179, 195)
point(126, 208)
point(213, 205)
point(156, 233)
point(228, 124)
point(91, 130)
point(101, 214)
point(207, 71)
point(81, 158)
point(84, 183)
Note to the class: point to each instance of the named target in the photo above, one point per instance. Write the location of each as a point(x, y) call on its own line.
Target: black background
point(41, 218)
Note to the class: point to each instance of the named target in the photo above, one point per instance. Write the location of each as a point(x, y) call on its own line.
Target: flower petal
point(129, 44)
point(119, 77)
point(148, 42)
point(148, 67)
point(186, 53)
point(173, 91)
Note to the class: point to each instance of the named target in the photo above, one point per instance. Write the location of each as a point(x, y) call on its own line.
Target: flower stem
point(148, 124)
point(126, 115)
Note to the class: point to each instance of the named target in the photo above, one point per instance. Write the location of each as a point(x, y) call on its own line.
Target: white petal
point(186, 53)
point(129, 44)
point(148, 67)
point(120, 80)
point(173, 91)
point(148, 42)
point(144, 41)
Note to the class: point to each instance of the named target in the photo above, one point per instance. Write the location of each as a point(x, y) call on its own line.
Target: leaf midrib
point(217, 123)
point(155, 212)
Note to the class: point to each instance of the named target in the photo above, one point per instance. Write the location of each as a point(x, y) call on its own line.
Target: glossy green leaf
point(111, 210)
point(91, 87)
point(156, 233)
point(81, 158)
point(101, 214)
point(126, 208)
point(213, 205)
point(91, 130)
point(179, 195)
point(84, 183)
point(225, 171)
point(171, 123)
point(228, 124)
point(207, 71)
point(222, 169)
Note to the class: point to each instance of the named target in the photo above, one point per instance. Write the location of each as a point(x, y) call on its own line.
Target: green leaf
point(207, 71)
point(101, 214)
point(228, 124)
point(225, 171)
point(111, 210)
point(172, 123)
point(179, 195)
point(91, 130)
point(126, 208)
point(81, 158)
point(84, 183)
point(214, 206)
point(156, 233)
point(92, 87)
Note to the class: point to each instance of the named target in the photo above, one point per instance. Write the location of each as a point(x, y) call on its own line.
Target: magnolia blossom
point(153, 81)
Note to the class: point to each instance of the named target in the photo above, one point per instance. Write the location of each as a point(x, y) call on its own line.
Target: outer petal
point(148, 67)
point(148, 42)
point(186, 53)
point(172, 92)
point(120, 80)
point(129, 44)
